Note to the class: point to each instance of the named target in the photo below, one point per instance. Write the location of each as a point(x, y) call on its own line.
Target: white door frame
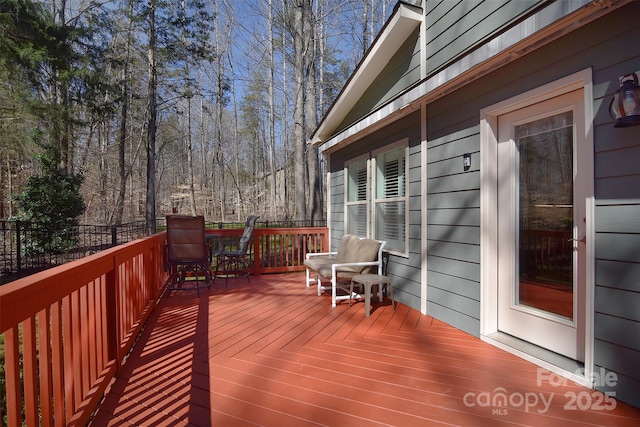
point(489, 225)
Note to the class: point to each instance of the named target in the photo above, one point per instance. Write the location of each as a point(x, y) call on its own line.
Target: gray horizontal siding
point(456, 251)
point(618, 219)
point(456, 285)
point(618, 189)
point(618, 331)
point(454, 217)
point(456, 268)
point(336, 206)
point(619, 303)
point(453, 28)
point(451, 183)
point(619, 162)
point(456, 200)
point(619, 247)
point(618, 275)
point(610, 354)
point(469, 235)
point(457, 319)
point(625, 388)
point(608, 138)
point(453, 226)
point(446, 298)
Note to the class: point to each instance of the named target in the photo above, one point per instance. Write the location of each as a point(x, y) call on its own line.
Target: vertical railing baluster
point(45, 365)
point(57, 367)
point(29, 371)
point(12, 376)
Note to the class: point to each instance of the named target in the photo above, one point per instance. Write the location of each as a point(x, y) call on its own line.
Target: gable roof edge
point(403, 21)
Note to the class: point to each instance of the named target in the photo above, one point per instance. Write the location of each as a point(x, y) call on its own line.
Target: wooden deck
point(271, 352)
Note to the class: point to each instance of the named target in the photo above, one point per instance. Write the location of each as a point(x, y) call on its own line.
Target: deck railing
point(68, 329)
point(274, 250)
point(546, 255)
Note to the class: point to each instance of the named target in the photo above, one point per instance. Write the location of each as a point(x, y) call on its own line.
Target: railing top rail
point(41, 289)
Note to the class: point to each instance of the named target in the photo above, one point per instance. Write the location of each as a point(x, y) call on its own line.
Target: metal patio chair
point(186, 254)
point(233, 263)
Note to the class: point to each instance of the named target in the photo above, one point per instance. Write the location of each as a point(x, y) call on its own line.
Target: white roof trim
point(539, 29)
point(399, 27)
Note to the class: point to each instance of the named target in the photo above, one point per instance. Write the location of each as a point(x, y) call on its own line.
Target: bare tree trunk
point(272, 122)
point(192, 193)
point(103, 141)
point(206, 184)
point(298, 113)
point(219, 155)
point(311, 113)
point(150, 205)
point(60, 120)
point(287, 175)
point(122, 138)
point(122, 133)
point(220, 147)
point(2, 185)
point(236, 140)
point(365, 26)
point(320, 40)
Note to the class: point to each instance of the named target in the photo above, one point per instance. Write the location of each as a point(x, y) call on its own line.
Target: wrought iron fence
point(18, 259)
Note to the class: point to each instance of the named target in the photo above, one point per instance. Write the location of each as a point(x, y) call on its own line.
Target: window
point(376, 193)
point(390, 198)
point(357, 198)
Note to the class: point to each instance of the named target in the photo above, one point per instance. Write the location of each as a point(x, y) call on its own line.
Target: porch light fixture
point(625, 106)
point(466, 161)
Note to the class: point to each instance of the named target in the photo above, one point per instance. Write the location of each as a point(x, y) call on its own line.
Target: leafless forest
point(191, 106)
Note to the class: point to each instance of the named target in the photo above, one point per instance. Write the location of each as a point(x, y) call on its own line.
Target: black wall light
point(625, 106)
point(466, 161)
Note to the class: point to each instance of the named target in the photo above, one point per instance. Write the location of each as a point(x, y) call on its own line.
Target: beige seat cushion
point(367, 252)
point(347, 248)
point(319, 263)
point(351, 249)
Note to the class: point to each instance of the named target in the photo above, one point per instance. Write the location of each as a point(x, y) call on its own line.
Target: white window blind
point(357, 200)
point(390, 201)
point(376, 196)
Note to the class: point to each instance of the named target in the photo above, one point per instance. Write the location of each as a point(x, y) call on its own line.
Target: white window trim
point(404, 142)
point(488, 216)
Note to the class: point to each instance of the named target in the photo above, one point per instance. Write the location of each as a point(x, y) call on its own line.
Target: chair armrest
point(318, 254)
point(337, 266)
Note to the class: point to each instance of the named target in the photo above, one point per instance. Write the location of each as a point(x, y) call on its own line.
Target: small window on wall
point(357, 200)
point(390, 198)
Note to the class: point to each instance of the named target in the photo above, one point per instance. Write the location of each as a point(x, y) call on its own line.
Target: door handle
point(583, 240)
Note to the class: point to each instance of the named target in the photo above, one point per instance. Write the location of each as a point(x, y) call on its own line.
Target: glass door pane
point(545, 214)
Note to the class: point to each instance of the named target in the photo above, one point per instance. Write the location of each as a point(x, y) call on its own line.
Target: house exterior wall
point(617, 211)
point(453, 197)
point(607, 46)
point(453, 223)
